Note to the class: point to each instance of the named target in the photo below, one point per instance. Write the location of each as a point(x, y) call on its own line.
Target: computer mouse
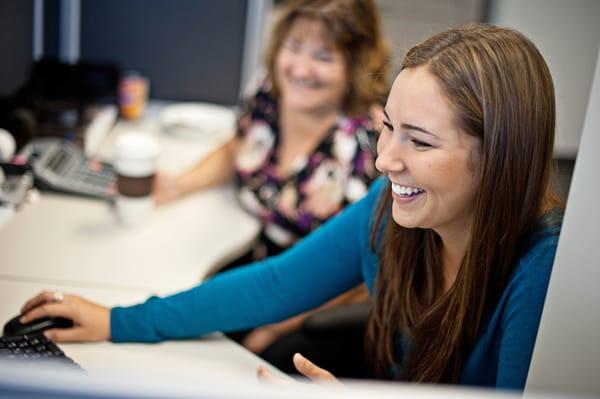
point(15, 327)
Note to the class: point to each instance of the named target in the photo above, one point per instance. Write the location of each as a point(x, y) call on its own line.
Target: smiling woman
point(455, 243)
point(305, 143)
point(470, 123)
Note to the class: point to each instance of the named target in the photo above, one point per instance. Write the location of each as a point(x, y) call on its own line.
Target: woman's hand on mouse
point(91, 322)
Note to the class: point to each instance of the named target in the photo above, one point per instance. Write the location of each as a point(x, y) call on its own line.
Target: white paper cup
point(133, 211)
point(135, 156)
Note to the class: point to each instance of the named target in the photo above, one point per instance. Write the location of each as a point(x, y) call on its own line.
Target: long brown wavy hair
point(501, 91)
point(354, 27)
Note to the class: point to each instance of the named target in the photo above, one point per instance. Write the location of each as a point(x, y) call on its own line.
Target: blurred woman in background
point(305, 142)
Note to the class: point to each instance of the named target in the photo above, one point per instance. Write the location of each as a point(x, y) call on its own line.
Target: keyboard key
point(31, 348)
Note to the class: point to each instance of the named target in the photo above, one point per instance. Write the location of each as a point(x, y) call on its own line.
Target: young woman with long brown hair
point(451, 268)
point(455, 242)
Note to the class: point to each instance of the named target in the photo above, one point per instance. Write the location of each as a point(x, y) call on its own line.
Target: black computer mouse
point(15, 327)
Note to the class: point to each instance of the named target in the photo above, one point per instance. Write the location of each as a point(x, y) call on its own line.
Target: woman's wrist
point(107, 330)
point(178, 186)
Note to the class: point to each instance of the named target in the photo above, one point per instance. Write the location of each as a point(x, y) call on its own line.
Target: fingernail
point(47, 334)
point(23, 319)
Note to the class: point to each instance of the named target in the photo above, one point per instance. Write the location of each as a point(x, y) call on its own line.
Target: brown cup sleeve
point(135, 186)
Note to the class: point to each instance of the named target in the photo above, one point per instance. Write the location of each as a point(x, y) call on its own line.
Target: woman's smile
point(406, 194)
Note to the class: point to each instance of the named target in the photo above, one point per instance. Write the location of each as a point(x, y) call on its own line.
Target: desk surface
point(75, 240)
point(76, 245)
point(213, 353)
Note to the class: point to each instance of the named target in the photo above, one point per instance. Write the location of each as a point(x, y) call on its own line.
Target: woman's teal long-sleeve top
point(330, 261)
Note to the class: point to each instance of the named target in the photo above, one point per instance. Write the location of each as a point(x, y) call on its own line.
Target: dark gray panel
point(190, 49)
point(16, 43)
point(51, 28)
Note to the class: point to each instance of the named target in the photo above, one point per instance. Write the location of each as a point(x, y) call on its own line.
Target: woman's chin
point(404, 220)
point(303, 106)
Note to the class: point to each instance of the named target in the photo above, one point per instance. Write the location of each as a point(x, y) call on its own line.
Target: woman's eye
point(421, 144)
point(323, 56)
point(387, 125)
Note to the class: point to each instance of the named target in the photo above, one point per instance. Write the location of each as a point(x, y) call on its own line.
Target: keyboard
point(34, 347)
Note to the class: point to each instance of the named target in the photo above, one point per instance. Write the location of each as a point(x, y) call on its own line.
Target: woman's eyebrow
point(409, 126)
point(417, 128)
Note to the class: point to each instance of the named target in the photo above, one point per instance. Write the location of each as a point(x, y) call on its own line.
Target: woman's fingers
point(75, 334)
point(304, 366)
point(312, 371)
point(91, 322)
point(48, 309)
point(265, 375)
point(42, 297)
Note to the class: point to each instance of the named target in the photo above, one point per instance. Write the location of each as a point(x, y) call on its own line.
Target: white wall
point(567, 32)
point(567, 351)
point(409, 22)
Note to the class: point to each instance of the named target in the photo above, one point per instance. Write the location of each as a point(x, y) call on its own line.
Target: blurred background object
point(566, 33)
point(202, 50)
point(132, 94)
point(61, 47)
point(7, 145)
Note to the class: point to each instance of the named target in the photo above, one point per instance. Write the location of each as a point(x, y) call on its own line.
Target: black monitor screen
point(191, 50)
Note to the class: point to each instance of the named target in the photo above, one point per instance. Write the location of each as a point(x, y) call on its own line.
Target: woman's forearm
point(215, 169)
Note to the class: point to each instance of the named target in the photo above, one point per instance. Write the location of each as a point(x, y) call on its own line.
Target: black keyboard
point(34, 347)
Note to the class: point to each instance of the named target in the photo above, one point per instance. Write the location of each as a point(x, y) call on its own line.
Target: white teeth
point(406, 190)
point(305, 83)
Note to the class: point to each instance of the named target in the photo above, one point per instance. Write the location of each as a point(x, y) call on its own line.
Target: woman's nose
point(302, 66)
point(389, 156)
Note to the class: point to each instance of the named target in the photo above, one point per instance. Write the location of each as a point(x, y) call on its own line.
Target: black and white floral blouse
point(337, 173)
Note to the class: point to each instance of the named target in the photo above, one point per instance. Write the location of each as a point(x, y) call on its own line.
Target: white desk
point(214, 353)
point(76, 245)
point(75, 240)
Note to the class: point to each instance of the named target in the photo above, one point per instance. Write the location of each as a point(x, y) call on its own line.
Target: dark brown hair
point(354, 27)
point(501, 91)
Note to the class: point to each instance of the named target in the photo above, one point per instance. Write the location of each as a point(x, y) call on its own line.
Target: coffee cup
point(135, 158)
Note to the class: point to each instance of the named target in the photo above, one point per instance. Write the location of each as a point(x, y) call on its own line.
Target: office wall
point(567, 352)
point(408, 22)
point(16, 43)
point(568, 34)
